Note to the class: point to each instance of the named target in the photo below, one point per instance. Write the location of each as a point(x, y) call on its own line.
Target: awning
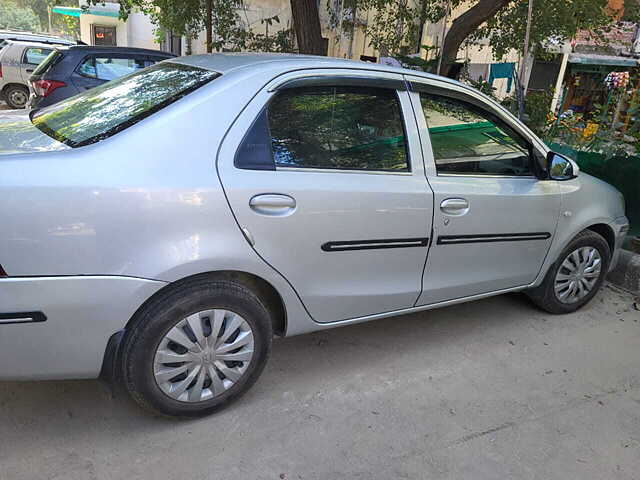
point(595, 59)
point(76, 12)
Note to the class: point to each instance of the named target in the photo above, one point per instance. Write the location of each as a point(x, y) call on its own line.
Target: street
point(493, 389)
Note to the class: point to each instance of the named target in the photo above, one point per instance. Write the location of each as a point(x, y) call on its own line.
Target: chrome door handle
point(454, 206)
point(273, 204)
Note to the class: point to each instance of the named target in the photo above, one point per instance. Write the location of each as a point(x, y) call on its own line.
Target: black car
point(69, 70)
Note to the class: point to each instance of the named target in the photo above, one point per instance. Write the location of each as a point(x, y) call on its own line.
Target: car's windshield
point(105, 110)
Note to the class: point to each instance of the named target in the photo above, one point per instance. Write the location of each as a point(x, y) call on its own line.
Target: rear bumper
point(620, 227)
point(78, 316)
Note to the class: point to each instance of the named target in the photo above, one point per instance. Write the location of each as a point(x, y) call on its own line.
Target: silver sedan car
point(161, 228)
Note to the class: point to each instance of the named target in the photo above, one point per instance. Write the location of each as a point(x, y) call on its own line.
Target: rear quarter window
point(54, 57)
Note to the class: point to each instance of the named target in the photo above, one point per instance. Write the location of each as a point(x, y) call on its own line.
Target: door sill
point(420, 308)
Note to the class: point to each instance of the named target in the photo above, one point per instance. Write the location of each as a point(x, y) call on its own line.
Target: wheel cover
point(18, 97)
point(203, 355)
point(578, 275)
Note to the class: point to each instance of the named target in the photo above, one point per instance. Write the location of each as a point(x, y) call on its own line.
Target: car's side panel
point(79, 316)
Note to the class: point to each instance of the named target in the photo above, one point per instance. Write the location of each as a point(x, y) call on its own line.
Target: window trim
point(24, 55)
point(341, 81)
point(457, 94)
point(334, 81)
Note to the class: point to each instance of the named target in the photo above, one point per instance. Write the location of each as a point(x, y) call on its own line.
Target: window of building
point(349, 128)
point(104, 35)
point(467, 140)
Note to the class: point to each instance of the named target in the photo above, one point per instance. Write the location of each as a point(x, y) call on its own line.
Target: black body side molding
point(492, 237)
point(375, 244)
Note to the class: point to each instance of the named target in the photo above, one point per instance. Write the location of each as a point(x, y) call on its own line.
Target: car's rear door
point(324, 173)
point(494, 218)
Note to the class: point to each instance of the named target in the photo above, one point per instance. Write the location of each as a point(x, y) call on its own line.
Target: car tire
point(16, 96)
point(555, 293)
point(227, 304)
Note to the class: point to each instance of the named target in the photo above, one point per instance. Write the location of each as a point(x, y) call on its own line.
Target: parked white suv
point(18, 60)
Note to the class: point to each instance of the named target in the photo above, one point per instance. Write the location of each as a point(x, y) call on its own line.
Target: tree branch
point(465, 25)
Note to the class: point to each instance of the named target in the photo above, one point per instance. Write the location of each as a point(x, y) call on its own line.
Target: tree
point(306, 23)
point(54, 22)
point(220, 20)
point(17, 17)
point(395, 26)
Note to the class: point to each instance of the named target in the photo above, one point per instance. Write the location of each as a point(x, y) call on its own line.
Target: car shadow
point(299, 363)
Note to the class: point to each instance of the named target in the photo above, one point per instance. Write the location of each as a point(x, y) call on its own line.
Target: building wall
point(137, 31)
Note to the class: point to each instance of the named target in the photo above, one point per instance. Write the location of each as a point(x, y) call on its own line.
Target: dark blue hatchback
point(69, 70)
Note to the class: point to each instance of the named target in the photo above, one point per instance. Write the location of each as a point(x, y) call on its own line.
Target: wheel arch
point(14, 84)
point(606, 232)
point(265, 290)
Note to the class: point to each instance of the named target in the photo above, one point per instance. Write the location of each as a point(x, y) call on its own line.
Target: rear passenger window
point(109, 68)
point(349, 128)
point(34, 56)
point(468, 141)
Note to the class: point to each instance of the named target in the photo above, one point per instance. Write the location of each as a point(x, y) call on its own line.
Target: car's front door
point(325, 175)
point(494, 218)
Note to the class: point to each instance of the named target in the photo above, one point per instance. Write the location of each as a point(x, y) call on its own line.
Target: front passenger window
point(468, 141)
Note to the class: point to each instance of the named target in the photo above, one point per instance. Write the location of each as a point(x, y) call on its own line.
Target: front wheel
point(196, 348)
point(577, 275)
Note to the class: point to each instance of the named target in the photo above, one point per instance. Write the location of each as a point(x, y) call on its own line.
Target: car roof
point(111, 49)
point(29, 43)
point(17, 35)
point(227, 62)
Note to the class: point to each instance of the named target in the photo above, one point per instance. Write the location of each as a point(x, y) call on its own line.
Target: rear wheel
point(196, 348)
point(16, 96)
point(575, 278)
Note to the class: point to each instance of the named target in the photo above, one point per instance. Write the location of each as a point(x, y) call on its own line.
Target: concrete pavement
point(493, 389)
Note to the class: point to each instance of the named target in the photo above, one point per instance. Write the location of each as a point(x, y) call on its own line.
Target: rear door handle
point(454, 206)
point(273, 204)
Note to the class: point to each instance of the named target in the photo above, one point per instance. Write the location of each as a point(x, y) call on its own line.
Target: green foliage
point(556, 20)
point(16, 17)
point(536, 108)
point(59, 23)
point(419, 63)
point(395, 25)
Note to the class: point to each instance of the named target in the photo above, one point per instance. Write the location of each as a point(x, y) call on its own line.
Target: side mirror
point(561, 167)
